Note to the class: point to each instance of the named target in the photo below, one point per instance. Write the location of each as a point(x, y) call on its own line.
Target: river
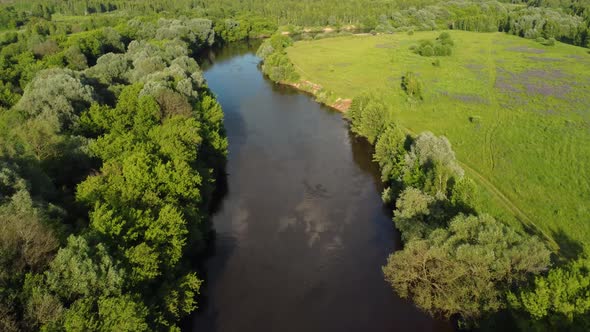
point(301, 233)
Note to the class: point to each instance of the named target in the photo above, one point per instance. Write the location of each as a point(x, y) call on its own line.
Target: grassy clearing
point(516, 112)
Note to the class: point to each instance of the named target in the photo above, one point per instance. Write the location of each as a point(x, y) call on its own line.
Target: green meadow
point(517, 113)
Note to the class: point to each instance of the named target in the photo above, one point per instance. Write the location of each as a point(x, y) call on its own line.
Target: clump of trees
point(465, 268)
point(106, 177)
point(558, 301)
point(275, 62)
point(456, 262)
point(441, 46)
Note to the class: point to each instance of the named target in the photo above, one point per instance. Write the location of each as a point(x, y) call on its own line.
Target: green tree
point(417, 214)
point(390, 152)
point(559, 301)
point(465, 269)
point(432, 160)
point(368, 116)
point(411, 85)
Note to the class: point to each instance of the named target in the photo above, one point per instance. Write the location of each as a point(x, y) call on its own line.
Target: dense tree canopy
point(560, 300)
point(114, 145)
point(466, 268)
point(111, 144)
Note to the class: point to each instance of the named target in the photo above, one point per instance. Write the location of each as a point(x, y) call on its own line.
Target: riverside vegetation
point(458, 260)
point(108, 162)
point(111, 144)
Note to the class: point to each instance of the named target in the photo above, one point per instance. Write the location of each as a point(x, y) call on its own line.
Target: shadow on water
point(300, 232)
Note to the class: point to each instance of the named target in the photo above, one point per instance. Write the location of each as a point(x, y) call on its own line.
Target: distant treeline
point(110, 147)
point(566, 20)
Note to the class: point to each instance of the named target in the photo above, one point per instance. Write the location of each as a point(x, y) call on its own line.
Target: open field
point(516, 112)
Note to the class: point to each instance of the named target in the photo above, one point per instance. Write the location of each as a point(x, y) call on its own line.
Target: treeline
point(566, 20)
point(108, 164)
point(457, 262)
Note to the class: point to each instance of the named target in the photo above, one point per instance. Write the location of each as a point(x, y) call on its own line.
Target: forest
point(112, 147)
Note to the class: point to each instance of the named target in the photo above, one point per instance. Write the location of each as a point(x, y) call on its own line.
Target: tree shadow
point(569, 249)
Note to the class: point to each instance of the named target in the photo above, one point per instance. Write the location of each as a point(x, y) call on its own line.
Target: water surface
point(301, 231)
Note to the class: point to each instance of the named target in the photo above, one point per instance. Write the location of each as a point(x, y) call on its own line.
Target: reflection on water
point(301, 232)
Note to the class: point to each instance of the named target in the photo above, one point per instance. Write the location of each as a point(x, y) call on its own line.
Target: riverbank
point(316, 90)
point(295, 248)
point(512, 121)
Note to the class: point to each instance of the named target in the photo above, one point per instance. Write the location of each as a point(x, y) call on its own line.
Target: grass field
point(516, 112)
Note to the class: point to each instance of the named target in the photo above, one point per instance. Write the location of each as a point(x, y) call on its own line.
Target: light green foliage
point(390, 153)
point(156, 134)
point(56, 96)
point(80, 270)
point(110, 68)
point(466, 268)
point(412, 85)
point(508, 86)
point(417, 214)
point(122, 314)
point(275, 63)
point(276, 43)
point(464, 195)
point(368, 117)
point(432, 160)
point(279, 69)
point(181, 297)
point(559, 300)
point(441, 46)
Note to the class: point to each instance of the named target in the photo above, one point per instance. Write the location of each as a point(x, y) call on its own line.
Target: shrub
point(475, 119)
point(427, 51)
point(279, 68)
point(549, 42)
point(368, 116)
point(411, 85)
point(442, 46)
point(445, 39)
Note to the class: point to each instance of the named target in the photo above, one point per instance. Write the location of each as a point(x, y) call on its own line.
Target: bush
point(442, 46)
point(368, 116)
point(445, 39)
point(411, 85)
point(475, 119)
point(549, 42)
point(427, 51)
point(279, 68)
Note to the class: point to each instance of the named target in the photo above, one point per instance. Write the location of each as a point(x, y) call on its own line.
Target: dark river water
point(301, 232)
